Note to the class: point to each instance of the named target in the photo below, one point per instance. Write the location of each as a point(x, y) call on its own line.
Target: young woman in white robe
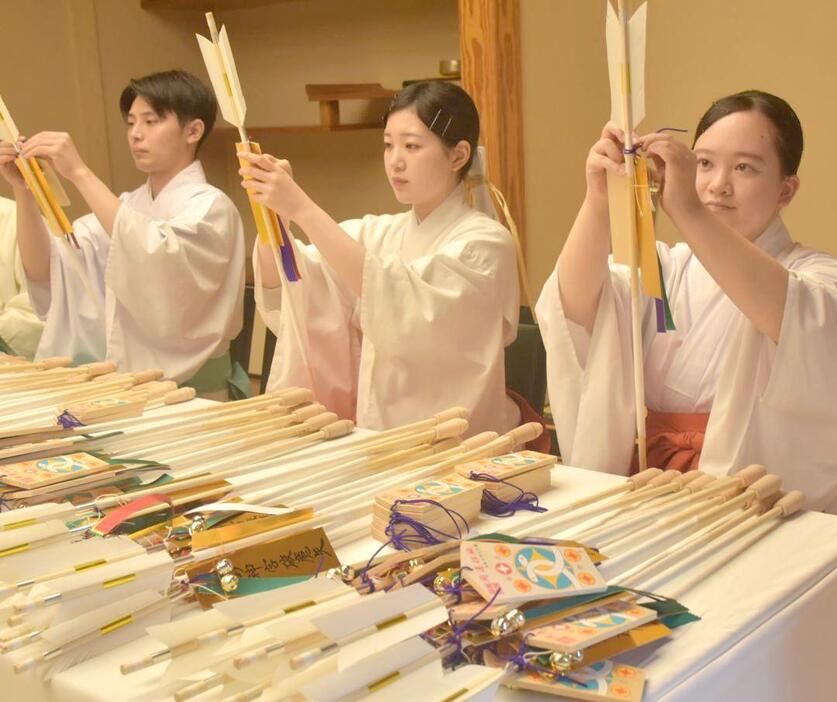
point(748, 376)
point(164, 264)
point(399, 316)
point(20, 328)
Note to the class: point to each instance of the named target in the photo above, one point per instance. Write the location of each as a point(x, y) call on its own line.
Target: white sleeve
point(317, 342)
point(776, 402)
point(590, 377)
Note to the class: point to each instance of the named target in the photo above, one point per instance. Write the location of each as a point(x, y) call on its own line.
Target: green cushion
point(526, 362)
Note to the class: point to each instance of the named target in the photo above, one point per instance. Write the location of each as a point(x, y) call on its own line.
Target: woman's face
point(421, 169)
point(739, 175)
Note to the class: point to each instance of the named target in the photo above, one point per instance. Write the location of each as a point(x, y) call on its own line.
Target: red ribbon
point(125, 512)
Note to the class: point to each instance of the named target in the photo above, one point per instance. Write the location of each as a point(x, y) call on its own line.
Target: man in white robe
point(158, 280)
point(20, 328)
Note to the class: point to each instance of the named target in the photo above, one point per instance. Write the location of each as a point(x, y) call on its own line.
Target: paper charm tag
point(268, 566)
point(46, 471)
point(603, 681)
point(508, 465)
point(594, 625)
point(522, 572)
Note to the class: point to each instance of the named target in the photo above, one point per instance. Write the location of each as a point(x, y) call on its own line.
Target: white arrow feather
point(636, 53)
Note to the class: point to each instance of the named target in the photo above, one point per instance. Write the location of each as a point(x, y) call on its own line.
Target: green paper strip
point(253, 586)
point(669, 318)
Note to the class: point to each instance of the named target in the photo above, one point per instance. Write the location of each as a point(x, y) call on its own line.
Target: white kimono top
point(440, 303)
point(169, 281)
point(774, 404)
point(20, 327)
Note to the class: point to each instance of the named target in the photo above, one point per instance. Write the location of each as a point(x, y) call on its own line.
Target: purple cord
point(68, 421)
point(424, 535)
point(493, 505)
point(520, 661)
point(457, 589)
point(457, 632)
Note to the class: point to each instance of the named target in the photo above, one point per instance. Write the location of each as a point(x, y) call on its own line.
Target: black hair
point(446, 110)
point(789, 141)
point(178, 92)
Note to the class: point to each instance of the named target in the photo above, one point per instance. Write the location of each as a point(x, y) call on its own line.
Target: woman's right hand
point(8, 169)
point(605, 155)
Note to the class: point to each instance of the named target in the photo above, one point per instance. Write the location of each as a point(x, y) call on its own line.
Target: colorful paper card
point(277, 563)
point(627, 641)
point(55, 469)
point(444, 490)
point(590, 627)
point(508, 465)
point(599, 682)
point(523, 572)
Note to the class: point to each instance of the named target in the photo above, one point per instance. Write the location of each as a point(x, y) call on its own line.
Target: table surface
point(783, 585)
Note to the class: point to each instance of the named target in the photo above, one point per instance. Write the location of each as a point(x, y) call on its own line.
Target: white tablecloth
point(769, 623)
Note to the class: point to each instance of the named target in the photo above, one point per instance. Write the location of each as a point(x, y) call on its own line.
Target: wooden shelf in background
point(299, 129)
point(317, 92)
point(207, 5)
point(330, 94)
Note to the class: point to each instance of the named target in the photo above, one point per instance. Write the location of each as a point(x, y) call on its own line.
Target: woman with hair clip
point(403, 315)
point(748, 375)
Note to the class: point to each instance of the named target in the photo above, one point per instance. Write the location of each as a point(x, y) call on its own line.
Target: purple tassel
point(286, 248)
point(458, 632)
point(68, 421)
point(493, 505)
point(289, 264)
point(659, 306)
point(424, 535)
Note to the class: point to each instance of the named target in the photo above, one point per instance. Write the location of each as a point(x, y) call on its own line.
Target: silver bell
point(224, 567)
point(507, 623)
point(198, 523)
point(342, 573)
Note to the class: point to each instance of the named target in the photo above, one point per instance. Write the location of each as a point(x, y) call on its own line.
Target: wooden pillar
point(489, 37)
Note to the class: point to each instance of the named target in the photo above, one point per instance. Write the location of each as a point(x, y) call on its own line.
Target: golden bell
point(441, 583)
point(446, 579)
point(229, 582)
point(564, 662)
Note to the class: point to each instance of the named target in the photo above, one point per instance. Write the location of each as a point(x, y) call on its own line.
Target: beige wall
point(278, 49)
point(697, 50)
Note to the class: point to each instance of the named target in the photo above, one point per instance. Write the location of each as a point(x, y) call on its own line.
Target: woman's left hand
point(270, 181)
point(677, 168)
